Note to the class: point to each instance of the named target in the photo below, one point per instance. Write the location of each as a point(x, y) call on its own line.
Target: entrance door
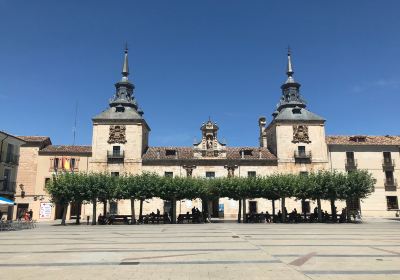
point(21, 209)
point(215, 208)
point(75, 210)
point(253, 206)
point(59, 211)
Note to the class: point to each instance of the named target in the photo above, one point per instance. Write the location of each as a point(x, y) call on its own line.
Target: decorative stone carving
point(189, 170)
point(300, 134)
point(117, 134)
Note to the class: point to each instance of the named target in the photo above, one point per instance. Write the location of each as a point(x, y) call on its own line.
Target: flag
point(66, 164)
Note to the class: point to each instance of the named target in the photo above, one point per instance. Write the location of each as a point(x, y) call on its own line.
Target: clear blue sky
point(194, 59)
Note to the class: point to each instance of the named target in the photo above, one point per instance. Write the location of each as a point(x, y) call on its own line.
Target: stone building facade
point(294, 141)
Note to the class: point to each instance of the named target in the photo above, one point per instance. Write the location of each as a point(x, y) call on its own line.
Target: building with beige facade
point(292, 141)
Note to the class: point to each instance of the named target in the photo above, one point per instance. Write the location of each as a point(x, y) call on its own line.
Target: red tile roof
point(391, 140)
point(61, 149)
point(187, 153)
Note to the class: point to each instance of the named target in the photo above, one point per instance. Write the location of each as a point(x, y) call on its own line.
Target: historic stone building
point(294, 141)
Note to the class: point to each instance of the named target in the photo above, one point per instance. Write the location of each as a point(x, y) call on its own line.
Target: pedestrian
point(30, 214)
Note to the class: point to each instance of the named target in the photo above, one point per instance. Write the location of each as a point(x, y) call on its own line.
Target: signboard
point(45, 210)
point(221, 207)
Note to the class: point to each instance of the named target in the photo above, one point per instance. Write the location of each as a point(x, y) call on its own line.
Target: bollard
point(87, 220)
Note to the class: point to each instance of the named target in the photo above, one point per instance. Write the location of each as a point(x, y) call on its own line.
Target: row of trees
point(101, 187)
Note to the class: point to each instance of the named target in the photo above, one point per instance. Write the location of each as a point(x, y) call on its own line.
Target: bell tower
point(295, 134)
point(120, 133)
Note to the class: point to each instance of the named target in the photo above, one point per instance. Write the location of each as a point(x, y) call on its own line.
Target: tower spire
point(125, 67)
point(289, 69)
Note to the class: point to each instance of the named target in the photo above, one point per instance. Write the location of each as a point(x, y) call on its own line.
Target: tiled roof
point(187, 153)
point(10, 135)
point(36, 140)
point(60, 149)
point(363, 140)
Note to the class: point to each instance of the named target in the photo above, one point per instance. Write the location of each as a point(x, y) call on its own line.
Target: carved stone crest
point(300, 134)
point(117, 134)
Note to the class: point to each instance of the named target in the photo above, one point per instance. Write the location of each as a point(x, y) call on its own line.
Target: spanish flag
point(66, 164)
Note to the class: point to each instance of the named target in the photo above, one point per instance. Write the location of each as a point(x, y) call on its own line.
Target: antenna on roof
point(74, 129)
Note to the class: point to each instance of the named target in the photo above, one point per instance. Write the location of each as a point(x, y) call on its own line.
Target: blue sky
point(193, 59)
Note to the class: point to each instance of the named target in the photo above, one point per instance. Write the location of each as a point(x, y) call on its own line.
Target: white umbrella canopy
point(5, 201)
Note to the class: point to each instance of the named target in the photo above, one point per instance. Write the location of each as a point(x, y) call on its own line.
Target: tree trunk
point(283, 210)
point(244, 211)
point(173, 208)
point(319, 210)
point(240, 211)
point(133, 216)
point(273, 211)
point(94, 203)
point(105, 207)
point(64, 216)
point(141, 211)
point(303, 203)
point(348, 215)
point(78, 212)
point(333, 210)
point(204, 208)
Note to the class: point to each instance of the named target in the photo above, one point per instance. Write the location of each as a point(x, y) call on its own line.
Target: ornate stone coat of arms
point(300, 134)
point(117, 134)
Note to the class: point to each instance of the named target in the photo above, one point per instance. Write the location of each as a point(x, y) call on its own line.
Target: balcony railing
point(300, 155)
point(8, 187)
point(350, 164)
point(390, 185)
point(10, 159)
point(388, 164)
point(115, 155)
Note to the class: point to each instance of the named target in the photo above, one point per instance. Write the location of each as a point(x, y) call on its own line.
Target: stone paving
point(209, 251)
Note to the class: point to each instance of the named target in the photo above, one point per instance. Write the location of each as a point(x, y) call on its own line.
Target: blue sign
point(221, 207)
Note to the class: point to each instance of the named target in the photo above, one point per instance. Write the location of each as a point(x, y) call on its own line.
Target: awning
point(5, 201)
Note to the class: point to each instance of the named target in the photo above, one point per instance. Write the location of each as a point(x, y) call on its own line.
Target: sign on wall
point(45, 210)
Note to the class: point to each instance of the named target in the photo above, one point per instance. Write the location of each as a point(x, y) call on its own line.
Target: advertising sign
point(45, 210)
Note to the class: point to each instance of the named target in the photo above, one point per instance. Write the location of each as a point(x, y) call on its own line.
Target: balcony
point(302, 156)
point(12, 159)
point(388, 164)
point(115, 156)
point(350, 164)
point(390, 185)
point(7, 187)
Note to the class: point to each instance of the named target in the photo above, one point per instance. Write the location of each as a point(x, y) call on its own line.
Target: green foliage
point(68, 187)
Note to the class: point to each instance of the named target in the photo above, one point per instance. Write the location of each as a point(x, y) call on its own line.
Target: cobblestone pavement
point(208, 251)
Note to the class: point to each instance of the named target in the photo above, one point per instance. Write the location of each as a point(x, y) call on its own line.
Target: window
point(10, 150)
point(389, 176)
point(119, 109)
point(301, 150)
point(46, 181)
point(73, 163)
point(114, 174)
point(56, 163)
point(169, 174)
point(251, 174)
point(113, 207)
point(210, 174)
point(392, 203)
point(170, 152)
point(248, 152)
point(116, 150)
point(350, 156)
point(303, 173)
point(358, 138)
point(387, 157)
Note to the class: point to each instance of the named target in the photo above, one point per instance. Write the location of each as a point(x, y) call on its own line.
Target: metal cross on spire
point(289, 69)
point(125, 67)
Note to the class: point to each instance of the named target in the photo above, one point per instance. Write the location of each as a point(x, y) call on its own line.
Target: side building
point(9, 161)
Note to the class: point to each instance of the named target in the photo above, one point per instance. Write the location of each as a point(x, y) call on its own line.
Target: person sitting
point(267, 217)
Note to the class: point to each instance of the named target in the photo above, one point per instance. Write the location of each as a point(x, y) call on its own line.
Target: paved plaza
point(204, 251)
